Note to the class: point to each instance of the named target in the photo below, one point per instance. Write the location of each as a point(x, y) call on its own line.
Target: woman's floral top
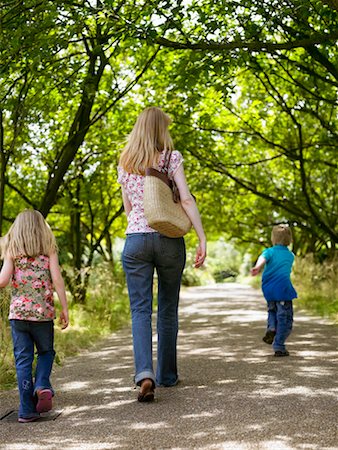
point(134, 187)
point(32, 289)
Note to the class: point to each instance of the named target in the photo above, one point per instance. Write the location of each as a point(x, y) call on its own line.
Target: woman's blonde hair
point(149, 136)
point(29, 235)
point(282, 235)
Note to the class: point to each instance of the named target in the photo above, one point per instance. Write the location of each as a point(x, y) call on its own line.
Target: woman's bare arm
point(189, 205)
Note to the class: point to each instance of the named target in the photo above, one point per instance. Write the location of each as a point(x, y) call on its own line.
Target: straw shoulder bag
point(162, 206)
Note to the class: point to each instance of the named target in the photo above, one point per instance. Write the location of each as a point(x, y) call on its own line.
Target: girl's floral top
point(134, 187)
point(32, 289)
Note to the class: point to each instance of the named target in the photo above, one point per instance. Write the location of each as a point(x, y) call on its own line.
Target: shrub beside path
point(234, 394)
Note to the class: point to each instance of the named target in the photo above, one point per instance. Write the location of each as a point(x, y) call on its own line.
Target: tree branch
point(99, 114)
point(22, 195)
point(332, 3)
point(257, 46)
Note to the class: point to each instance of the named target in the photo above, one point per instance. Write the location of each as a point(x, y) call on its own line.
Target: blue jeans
point(280, 319)
point(142, 253)
point(25, 335)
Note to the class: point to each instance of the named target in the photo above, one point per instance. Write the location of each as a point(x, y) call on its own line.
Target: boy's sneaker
point(44, 403)
point(269, 336)
point(281, 353)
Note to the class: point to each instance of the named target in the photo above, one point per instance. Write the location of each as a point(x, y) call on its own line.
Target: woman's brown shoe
point(146, 393)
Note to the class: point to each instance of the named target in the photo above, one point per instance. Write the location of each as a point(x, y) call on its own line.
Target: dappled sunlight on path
point(234, 394)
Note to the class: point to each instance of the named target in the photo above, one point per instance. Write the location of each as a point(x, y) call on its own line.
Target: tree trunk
point(3, 164)
point(77, 133)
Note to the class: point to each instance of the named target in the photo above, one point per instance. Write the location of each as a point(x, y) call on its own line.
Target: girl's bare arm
point(6, 272)
point(59, 286)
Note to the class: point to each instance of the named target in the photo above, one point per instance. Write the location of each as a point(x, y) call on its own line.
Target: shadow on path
point(234, 394)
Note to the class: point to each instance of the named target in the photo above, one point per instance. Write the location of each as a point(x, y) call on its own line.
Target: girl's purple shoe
point(44, 403)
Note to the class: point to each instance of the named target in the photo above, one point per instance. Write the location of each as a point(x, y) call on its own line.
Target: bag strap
point(151, 172)
point(166, 163)
point(174, 188)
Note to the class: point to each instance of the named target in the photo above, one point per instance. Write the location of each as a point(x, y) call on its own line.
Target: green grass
point(317, 286)
point(7, 367)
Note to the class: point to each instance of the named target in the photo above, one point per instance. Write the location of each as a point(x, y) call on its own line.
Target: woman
point(145, 249)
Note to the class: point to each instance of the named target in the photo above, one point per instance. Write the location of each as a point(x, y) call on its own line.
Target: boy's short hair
point(282, 235)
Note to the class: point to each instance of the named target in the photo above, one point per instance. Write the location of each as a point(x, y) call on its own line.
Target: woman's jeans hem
point(160, 385)
point(145, 374)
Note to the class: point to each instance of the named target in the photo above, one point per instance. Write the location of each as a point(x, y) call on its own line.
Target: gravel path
point(234, 394)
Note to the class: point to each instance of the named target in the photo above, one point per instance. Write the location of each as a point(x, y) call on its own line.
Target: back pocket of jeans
point(172, 248)
point(135, 246)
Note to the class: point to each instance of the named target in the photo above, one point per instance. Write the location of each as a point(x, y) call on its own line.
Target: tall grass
point(317, 286)
point(106, 310)
point(7, 368)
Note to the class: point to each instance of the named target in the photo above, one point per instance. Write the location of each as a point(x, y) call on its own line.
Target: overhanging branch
point(252, 46)
point(332, 3)
point(21, 194)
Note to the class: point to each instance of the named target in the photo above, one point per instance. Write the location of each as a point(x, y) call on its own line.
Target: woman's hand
point(64, 320)
point(201, 254)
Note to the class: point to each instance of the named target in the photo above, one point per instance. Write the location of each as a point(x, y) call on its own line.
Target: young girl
point(31, 264)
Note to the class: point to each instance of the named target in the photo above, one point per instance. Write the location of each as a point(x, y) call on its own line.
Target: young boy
point(277, 288)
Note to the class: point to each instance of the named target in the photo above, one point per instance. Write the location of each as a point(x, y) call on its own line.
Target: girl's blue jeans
point(142, 253)
point(27, 334)
point(280, 319)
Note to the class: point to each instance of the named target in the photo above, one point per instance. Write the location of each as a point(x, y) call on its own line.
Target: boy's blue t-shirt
point(276, 282)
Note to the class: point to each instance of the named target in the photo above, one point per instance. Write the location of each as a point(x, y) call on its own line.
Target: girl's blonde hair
point(29, 235)
point(149, 136)
point(282, 235)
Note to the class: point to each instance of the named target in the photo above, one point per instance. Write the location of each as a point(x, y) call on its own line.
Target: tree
point(251, 86)
point(281, 86)
point(65, 70)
